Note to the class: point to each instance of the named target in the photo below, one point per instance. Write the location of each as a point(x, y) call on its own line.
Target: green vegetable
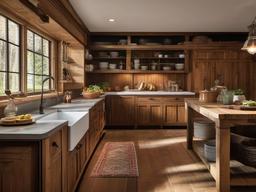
point(249, 103)
point(94, 88)
point(238, 92)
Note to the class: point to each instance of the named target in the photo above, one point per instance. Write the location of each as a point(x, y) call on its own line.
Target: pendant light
point(250, 43)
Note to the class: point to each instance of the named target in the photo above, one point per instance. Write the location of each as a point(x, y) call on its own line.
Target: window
point(9, 55)
point(38, 61)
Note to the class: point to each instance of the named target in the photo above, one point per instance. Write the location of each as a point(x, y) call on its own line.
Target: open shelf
point(137, 47)
point(109, 58)
point(136, 71)
point(241, 175)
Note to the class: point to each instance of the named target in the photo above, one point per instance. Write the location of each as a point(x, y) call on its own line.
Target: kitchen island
point(226, 172)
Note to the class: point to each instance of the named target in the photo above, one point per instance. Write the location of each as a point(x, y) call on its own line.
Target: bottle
point(10, 109)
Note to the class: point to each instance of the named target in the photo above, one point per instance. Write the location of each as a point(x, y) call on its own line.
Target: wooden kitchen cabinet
point(79, 157)
point(146, 110)
point(120, 110)
point(18, 167)
point(34, 165)
point(170, 113)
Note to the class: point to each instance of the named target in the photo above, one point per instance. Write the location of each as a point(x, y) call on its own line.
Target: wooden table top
point(219, 111)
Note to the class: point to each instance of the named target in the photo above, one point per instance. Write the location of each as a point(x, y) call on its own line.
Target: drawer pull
point(54, 144)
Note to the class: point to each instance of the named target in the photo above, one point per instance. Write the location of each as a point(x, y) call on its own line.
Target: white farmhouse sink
point(78, 124)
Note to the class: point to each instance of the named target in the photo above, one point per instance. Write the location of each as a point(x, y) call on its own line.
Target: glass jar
point(228, 98)
point(10, 109)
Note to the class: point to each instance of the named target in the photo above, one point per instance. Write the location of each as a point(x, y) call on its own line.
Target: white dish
point(103, 65)
point(179, 66)
point(166, 68)
point(144, 68)
point(114, 54)
point(112, 66)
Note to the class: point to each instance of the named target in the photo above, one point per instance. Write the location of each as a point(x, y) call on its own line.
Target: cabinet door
point(18, 168)
point(170, 113)
point(82, 153)
point(155, 114)
point(122, 110)
point(181, 116)
point(143, 114)
point(73, 169)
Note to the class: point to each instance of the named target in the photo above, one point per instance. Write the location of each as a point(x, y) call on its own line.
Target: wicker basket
point(88, 95)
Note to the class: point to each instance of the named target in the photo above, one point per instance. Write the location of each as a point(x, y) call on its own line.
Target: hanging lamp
point(250, 43)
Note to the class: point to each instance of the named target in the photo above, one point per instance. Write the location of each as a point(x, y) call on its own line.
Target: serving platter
point(17, 123)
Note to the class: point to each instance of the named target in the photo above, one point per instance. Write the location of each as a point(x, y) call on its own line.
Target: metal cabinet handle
point(54, 144)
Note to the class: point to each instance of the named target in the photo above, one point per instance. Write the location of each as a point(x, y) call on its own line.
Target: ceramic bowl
point(144, 67)
point(114, 54)
point(112, 66)
point(103, 65)
point(179, 66)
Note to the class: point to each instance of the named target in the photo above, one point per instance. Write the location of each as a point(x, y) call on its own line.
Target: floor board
point(165, 165)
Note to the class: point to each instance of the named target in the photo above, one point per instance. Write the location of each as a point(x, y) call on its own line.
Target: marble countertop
point(42, 129)
point(152, 93)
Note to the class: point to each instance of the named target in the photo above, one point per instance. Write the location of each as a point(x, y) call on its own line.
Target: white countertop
point(42, 129)
point(36, 131)
point(153, 93)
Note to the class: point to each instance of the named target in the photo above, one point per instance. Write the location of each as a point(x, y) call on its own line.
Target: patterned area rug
point(117, 159)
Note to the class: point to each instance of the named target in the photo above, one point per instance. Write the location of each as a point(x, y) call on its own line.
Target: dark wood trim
point(56, 10)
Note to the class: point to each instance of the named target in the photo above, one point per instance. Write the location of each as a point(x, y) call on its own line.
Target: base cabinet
point(120, 110)
point(34, 165)
point(145, 110)
point(78, 158)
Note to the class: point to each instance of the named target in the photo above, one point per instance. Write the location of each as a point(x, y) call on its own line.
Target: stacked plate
point(204, 128)
point(243, 149)
point(210, 150)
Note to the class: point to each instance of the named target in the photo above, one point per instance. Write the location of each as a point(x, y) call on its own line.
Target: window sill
point(25, 99)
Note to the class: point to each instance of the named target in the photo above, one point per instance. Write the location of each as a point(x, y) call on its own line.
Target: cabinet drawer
point(172, 99)
point(149, 99)
point(55, 144)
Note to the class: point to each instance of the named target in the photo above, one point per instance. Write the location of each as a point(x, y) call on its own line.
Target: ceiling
point(166, 15)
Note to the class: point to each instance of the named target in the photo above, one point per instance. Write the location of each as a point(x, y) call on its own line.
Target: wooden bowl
point(208, 96)
point(88, 95)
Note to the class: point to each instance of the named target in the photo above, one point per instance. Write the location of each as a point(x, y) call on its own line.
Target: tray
point(17, 123)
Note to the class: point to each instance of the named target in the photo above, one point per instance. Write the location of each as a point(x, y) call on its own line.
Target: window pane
point(38, 82)
point(30, 62)
point(30, 83)
point(2, 56)
point(38, 44)
point(45, 66)
point(13, 58)
point(14, 81)
point(30, 42)
point(2, 83)
point(38, 64)
point(13, 31)
point(2, 28)
point(46, 48)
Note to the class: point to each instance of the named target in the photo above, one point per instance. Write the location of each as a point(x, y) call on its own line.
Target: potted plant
point(239, 96)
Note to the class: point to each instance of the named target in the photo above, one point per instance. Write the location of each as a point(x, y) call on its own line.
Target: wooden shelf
point(157, 58)
point(136, 71)
point(108, 58)
point(241, 175)
point(137, 47)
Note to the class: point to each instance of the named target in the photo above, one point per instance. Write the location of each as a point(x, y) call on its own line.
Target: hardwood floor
point(165, 165)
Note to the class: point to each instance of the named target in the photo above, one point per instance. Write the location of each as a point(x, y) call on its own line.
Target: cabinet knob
point(54, 144)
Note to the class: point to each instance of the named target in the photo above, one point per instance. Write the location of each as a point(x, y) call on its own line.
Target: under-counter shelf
point(241, 175)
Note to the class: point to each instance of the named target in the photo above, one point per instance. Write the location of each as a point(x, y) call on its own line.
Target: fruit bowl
point(91, 95)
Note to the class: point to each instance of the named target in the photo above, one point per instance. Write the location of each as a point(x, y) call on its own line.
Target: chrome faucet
point(41, 107)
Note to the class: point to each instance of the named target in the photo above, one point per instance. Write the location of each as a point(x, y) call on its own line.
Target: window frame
point(20, 45)
point(49, 57)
